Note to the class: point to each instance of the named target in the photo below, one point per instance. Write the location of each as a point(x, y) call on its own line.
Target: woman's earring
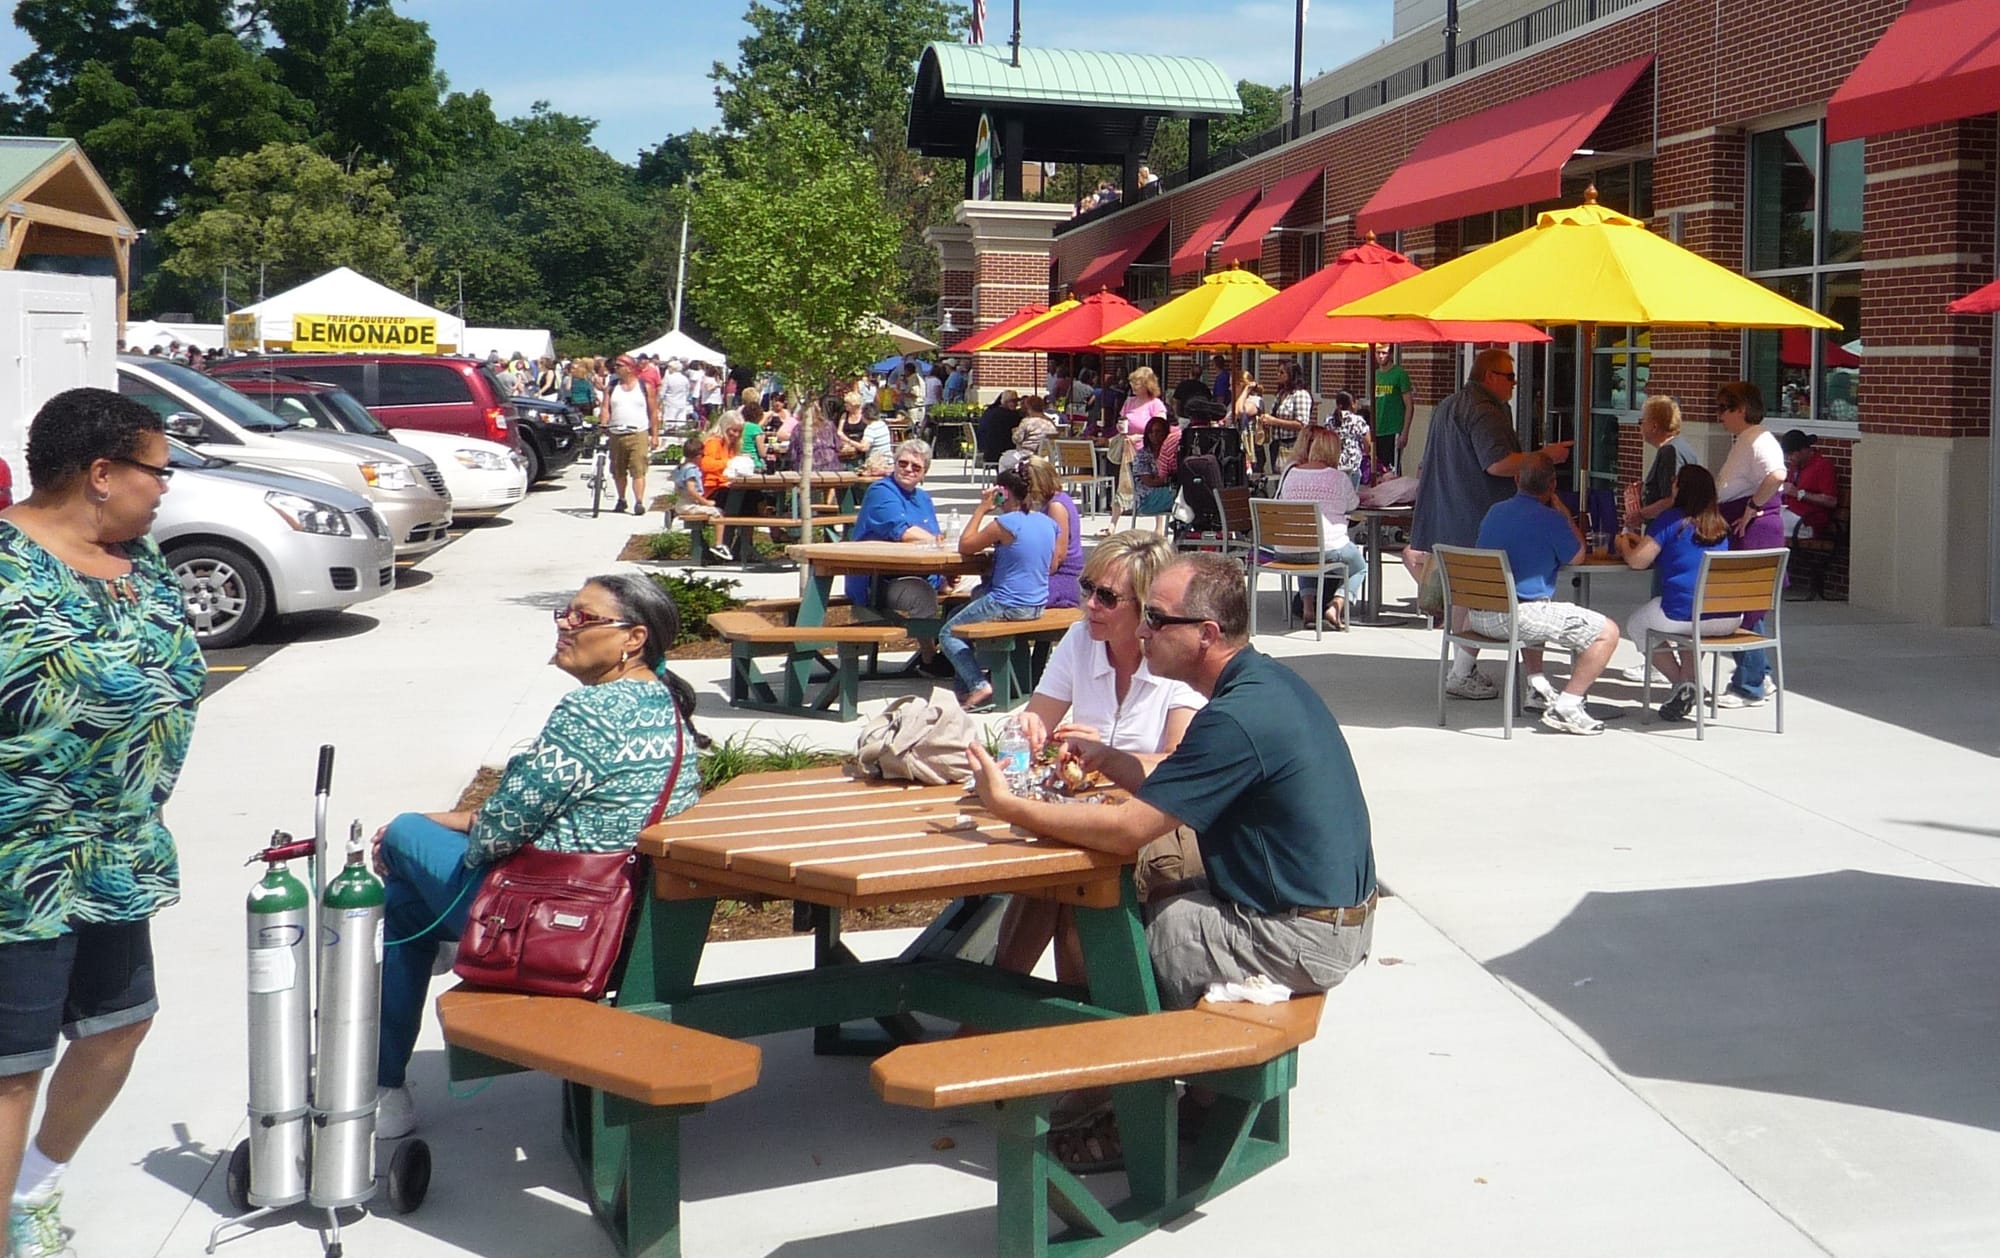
point(622, 657)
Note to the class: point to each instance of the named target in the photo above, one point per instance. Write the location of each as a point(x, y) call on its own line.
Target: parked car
point(218, 421)
point(455, 395)
point(483, 477)
point(249, 543)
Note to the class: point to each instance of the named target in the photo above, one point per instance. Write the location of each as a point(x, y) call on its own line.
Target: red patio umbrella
point(1795, 350)
point(1296, 320)
point(980, 341)
point(1075, 331)
point(1979, 301)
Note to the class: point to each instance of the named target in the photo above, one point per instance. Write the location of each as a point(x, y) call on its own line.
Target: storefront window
point(1805, 241)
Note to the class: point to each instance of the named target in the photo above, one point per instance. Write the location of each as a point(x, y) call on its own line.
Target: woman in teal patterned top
point(586, 784)
point(99, 673)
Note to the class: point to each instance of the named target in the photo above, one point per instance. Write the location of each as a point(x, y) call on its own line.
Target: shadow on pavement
point(1864, 989)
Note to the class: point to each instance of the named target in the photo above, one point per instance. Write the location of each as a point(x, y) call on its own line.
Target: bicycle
point(599, 476)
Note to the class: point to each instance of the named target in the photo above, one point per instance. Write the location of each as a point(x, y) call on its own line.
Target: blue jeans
point(958, 652)
point(428, 896)
point(1752, 667)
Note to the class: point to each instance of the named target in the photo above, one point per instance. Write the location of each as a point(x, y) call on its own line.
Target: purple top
point(1063, 591)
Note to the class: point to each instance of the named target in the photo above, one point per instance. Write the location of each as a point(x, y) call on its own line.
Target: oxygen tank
point(280, 1032)
point(350, 1012)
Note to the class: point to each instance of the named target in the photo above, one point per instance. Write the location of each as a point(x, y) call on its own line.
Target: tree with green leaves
point(796, 250)
point(850, 63)
point(296, 214)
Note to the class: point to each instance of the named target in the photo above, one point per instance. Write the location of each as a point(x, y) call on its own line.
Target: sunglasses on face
point(1105, 596)
point(165, 474)
point(910, 465)
point(577, 618)
point(1157, 620)
point(1504, 375)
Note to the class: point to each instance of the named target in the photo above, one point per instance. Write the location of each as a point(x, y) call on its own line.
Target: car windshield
point(350, 414)
point(233, 406)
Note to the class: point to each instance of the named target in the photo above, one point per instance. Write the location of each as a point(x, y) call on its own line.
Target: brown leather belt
point(1352, 916)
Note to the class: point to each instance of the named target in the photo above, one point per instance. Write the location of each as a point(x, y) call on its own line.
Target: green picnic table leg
point(1121, 977)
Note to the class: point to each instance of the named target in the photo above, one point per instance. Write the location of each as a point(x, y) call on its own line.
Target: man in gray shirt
point(1471, 455)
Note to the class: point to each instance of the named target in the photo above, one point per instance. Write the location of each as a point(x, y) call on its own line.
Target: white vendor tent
point(529, 343)
point(343, 293)
point(680, 345)
point(144, 334)
point(906, 341)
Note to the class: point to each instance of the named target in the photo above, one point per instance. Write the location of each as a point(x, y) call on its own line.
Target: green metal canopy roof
point(1075, 106)
point(22, 155)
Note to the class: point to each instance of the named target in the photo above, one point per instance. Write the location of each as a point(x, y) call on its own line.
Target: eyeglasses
point(1157, 620)
point(164, 473)
point(577, 618)
point(1504, 375)
point(1106, 597)
point(911, 465)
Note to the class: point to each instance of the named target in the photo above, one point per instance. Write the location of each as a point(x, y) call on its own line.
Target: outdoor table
point(818, 838)
point(1594, 562)
point(821, 562)
point(851, 486)
point(1372, 517)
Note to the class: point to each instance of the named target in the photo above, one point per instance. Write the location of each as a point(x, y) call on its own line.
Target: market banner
point(394, 334)
point(242, 332)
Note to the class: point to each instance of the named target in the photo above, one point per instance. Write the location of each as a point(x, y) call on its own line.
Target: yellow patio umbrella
point(1216, 300)
point(1587, 265)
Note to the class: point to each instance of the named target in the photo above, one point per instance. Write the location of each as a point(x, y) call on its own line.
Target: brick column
point(1922, 480)
point(1009, 244)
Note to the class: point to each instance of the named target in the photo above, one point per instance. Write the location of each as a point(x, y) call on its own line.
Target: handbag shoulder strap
point(674, 773)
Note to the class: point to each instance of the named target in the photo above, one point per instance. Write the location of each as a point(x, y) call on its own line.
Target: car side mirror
point(186, 425)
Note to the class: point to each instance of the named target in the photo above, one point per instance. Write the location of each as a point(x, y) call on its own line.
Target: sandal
point(1091, 1148)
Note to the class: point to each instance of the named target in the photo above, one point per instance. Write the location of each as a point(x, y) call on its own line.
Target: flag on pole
point(977, 35)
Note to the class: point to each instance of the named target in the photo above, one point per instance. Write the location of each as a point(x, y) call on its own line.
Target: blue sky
point(641, 68)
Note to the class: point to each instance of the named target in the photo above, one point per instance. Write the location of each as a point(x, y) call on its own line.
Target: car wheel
point(533, 455)
point(225, 592)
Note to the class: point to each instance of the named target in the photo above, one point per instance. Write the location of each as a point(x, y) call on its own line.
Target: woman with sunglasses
point(586, 784)
point(101, 673)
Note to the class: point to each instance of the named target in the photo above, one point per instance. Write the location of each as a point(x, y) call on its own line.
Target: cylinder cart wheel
point(236, 1179)
point(409, 1176)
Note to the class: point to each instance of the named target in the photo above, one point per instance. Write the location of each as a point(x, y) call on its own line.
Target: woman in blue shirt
point(1674, 545)
point(1023, 538)
point(897, 508)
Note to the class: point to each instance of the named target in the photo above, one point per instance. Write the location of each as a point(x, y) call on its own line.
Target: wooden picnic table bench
point(752, 637)
point(1014, 651)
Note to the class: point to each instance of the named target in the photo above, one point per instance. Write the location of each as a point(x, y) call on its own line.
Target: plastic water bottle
point(1015, 756)
point(953, 526)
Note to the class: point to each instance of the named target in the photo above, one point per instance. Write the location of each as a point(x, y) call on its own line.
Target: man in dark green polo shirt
point(1263, 777)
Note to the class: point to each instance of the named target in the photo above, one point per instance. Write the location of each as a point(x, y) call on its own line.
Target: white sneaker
point(1541, 694)
point(1637, 675)
point(1737, 699)
point(1472, 685)
point(35, 1229)
point(1572, 720)
point(395, 1113)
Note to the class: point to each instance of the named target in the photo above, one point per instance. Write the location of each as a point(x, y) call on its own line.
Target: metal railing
point(1549, 22)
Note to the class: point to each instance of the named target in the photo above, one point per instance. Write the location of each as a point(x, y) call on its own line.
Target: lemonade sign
point(347, 334)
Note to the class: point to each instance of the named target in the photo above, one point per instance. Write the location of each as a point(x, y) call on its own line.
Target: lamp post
point(680, 274)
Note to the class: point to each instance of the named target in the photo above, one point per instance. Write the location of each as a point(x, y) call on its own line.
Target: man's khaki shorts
point(629, 452)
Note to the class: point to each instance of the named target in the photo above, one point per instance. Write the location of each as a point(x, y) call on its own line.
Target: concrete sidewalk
point(1634, 994)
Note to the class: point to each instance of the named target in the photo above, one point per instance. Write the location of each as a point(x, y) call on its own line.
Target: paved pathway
point(1634, 994)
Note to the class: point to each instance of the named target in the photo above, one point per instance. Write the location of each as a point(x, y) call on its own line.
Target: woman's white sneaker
point(395, 1113)
point(1472, 685)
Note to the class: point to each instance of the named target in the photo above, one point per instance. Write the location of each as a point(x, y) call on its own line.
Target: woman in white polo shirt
point(1097, 684)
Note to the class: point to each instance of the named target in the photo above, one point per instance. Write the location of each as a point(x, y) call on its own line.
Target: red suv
point(454, 395)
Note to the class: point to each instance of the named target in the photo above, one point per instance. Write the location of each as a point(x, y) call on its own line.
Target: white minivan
point(220, 422)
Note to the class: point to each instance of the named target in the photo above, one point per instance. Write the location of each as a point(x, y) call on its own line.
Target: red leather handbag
point(554, 923)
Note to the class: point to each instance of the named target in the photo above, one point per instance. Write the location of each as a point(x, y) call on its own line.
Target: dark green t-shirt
point(1265, 778)
point(1392, 396)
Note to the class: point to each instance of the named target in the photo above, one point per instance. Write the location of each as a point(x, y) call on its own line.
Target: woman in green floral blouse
point(99, 673)
point(586, 784)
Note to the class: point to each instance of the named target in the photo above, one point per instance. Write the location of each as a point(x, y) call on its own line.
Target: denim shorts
point(94, 979)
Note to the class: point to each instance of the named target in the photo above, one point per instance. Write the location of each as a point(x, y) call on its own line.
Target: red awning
point(1938, 62)
point(1192, 256)
point(1503, 157)
point(1246, 243)
point(1107, 269)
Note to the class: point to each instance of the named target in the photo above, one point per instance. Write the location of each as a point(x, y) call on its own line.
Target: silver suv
point(218, 421)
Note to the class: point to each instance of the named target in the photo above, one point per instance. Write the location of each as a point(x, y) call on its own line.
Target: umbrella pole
point(1586, 352)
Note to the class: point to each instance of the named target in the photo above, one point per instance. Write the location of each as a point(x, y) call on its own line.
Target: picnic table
point(852, 486)
point(821, 562)
point(823, 840)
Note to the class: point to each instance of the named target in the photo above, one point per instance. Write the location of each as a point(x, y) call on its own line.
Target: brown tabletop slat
point(787, 861)
point(722, 850)
point(928, 875)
